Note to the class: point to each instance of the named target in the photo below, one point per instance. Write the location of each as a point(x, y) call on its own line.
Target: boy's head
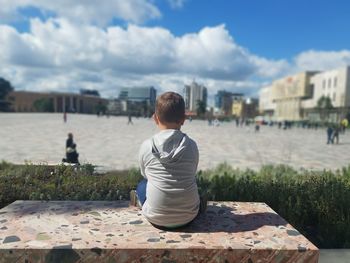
point(170, 110)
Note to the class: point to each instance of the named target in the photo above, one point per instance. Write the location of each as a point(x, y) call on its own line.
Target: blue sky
point(237, 45)
point(272, 28)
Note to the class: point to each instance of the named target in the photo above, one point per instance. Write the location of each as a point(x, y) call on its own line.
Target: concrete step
point(101, 231)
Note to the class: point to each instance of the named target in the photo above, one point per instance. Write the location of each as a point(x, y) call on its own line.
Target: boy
point(168, 161)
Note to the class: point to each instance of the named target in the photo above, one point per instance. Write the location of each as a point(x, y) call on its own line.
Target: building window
point(329, 83)
point(324, 84)
point(335, 82)
point(333, 96)
point(312, 88)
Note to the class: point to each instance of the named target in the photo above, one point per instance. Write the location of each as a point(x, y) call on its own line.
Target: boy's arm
point(196, 153)
point(141, 160)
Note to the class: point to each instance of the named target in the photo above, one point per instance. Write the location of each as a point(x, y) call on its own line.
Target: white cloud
point(86, 11)
point(59, 54)
point(268, 68)
point(77, 48)
point(322, 60)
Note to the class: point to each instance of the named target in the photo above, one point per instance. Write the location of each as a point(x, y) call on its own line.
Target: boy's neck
point(167, 126)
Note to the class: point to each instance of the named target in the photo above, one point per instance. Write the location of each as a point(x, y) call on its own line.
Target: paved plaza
point(110, 142)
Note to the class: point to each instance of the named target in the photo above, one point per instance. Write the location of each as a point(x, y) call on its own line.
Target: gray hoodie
point(169, 162)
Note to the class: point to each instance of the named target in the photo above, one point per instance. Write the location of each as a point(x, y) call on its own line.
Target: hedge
point(317, 203)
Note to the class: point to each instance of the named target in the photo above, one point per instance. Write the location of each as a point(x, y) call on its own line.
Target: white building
point(267, 106)
point(194, 93)
point(295, 97)
point(334, 84)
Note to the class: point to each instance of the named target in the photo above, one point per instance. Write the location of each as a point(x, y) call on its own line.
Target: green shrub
point(317, 203)
point(41, 182)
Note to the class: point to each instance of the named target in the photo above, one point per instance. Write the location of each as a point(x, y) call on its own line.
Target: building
point(224, 101)
point(282, 100)
point(117, 107)
point(296, 97)
point(27, 101)
point(237, 108)
point(148, 94)
point(288, 94)
point(334, 84)
point(139, 100)
point(266, 105)
point(194, 93)
point(245, 109)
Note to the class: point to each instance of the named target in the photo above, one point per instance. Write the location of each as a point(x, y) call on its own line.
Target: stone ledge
point(105, 231)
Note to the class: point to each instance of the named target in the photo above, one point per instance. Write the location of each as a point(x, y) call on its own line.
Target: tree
point(5, 88)
point(201, 108)
point(44, 105)
point(324, 105)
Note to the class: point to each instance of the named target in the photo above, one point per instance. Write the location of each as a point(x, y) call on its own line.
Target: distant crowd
point(333, 130)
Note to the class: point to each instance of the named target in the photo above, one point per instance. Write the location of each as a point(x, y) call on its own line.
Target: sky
point(236, 45)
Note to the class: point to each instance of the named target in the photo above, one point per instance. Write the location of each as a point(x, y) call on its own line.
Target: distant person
point(237, 122)
point(130, 119)
point(210, 121)
point(216, 122)
point(329, 134)
point(242, 122)
point(344, 125)
point(335, 135)
point(168, 162)
point(72, 155)
point(69, 141)
point(71, 152)
point(257, 127)
point(65, 117)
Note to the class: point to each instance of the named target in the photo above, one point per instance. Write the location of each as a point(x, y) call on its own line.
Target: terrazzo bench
point(73, 231)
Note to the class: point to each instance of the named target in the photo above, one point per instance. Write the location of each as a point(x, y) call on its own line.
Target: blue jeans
point(141, 191)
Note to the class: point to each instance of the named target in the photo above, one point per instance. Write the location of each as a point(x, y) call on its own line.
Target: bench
point(111, 231)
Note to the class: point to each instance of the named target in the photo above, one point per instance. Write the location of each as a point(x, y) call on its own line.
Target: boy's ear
point(155, 118)
point(183, 121)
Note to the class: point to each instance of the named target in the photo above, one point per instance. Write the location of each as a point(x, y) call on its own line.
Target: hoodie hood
point(168, 145)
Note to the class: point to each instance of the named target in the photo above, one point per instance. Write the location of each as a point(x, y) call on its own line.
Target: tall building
point(140, 100)
point(225, 99)
point(194, 93)
point(148, 94)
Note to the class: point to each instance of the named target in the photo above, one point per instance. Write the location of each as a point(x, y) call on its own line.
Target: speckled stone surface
point(73, 231)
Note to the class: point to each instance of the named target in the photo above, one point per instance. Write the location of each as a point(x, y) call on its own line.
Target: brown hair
point(170, 107)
